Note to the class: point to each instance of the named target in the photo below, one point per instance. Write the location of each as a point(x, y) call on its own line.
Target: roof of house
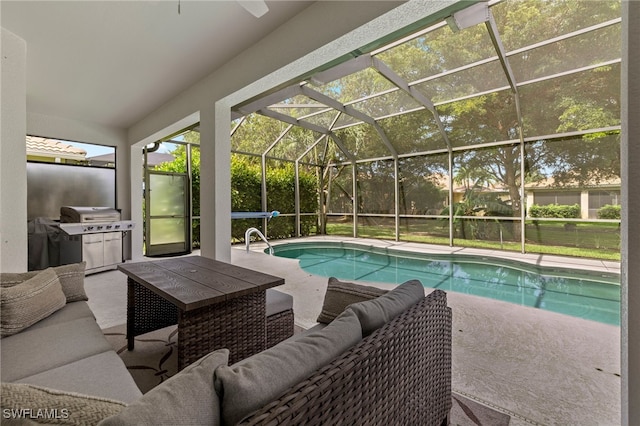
point(153, 158)
point(550, 183)
point(45, 147)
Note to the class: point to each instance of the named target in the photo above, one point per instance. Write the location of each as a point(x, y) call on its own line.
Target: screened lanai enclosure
point(497, 127)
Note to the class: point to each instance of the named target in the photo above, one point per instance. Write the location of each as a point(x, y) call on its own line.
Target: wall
point(13, 155)
point(15, 124)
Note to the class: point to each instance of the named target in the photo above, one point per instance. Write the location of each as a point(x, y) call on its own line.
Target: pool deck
point(538, 366)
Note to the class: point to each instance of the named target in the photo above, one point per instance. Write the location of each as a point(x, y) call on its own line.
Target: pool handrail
point(247, 238)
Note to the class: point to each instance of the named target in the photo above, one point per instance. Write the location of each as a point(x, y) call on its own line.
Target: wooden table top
point(192, 282)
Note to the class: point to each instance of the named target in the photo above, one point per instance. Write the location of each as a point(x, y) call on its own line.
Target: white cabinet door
point(112, 248)
point(93, 250)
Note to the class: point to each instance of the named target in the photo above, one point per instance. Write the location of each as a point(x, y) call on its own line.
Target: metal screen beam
point(340, 145)
point(494, 34)
point(273, 98)
point(346, 68)
point(278, 139)
point(399, 82)
point(291, 120)
point(350, 111)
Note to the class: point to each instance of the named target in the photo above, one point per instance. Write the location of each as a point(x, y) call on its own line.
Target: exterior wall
point(584, 198)
point(13, 155)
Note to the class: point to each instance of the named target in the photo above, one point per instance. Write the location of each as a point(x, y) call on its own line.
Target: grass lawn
point(588, 240)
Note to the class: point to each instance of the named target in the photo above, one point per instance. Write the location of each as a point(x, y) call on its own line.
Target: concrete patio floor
point(538, 366)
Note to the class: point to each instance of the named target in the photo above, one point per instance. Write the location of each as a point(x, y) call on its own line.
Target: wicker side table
point(215, 304)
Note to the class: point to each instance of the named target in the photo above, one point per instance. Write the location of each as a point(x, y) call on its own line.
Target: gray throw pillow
point(30, 301)
point(71, 279)
point(341, 294)
point(255, 381)
point(66, 408)
point(374, 313)
point(186, 398)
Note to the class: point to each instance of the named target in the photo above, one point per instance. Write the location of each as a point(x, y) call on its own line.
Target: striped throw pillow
point(28, 302)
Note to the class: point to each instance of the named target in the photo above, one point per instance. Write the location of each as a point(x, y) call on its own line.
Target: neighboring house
point(590, 197)
point(53, 151)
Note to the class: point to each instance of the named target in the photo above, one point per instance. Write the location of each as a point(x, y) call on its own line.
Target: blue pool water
point(592, 296)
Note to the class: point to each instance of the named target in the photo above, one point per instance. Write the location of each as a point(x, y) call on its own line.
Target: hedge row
point(246, 190)
point(569, 212)
point(556, 211)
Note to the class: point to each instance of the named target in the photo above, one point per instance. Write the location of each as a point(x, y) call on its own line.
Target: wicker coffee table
point(215, 304)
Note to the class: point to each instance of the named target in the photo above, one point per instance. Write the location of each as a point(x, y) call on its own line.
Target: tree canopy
point(560, 124)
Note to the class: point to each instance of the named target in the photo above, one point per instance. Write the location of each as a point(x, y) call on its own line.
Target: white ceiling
point(114, 62)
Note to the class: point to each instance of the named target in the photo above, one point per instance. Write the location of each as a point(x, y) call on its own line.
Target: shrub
point(609, 211)
point(246, 190)
point(555, 211)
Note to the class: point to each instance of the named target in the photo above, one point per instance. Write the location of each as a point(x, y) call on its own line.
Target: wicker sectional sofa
point(383, 361)
point(65, 350)
point(400, 374)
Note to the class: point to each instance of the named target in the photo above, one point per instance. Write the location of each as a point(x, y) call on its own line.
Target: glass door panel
point(167, 203)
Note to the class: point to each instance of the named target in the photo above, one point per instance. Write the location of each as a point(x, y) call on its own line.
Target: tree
point(562, 94)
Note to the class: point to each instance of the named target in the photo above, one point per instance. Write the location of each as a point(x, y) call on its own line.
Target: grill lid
point(75, 214)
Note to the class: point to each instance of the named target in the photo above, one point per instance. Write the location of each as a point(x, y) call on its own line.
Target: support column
point(13, 155)
point(630, 244)
point(215, 183)
point(584, 204)
point(137, 199)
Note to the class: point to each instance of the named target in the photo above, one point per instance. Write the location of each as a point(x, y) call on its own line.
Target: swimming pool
point(589, 295)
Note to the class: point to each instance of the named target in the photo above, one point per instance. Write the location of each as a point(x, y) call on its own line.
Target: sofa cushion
point(376, 312)
point(30, 301)
point(186, 398)
point(71, 279)
point(69, 408)
point(34, 351)
point(341, 294)
point(71, 311)
point(251, 383)
point(277, 302)
point(103, 375)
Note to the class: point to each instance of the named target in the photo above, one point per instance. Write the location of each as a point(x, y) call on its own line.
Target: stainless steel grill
point(94, 236)
point(71, 214)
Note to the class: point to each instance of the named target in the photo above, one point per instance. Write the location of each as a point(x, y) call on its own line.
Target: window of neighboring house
point(563, 198)
point(597, 199)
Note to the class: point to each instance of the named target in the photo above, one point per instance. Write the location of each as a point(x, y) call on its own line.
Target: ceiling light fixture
point(256, 7)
